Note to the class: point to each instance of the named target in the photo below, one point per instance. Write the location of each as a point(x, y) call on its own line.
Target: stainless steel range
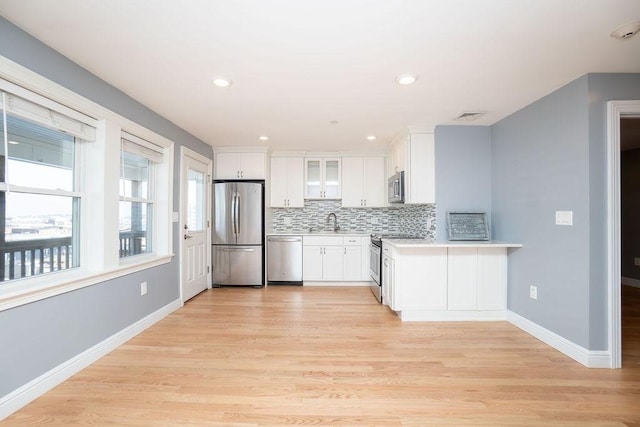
point(375, 261)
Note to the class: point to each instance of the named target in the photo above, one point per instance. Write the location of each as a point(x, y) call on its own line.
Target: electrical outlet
point(533, 292)
point(636, 261)
point(143, 288)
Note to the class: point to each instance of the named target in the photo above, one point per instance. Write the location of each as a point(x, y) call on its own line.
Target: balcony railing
point(132, 243)
point(25, 258)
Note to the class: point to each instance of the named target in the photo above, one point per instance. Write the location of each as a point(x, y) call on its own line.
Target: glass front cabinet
point(322, 178)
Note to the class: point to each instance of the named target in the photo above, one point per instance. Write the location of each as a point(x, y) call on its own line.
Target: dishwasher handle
point(284, 239)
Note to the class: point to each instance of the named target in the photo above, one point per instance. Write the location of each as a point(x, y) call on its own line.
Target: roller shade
point(140, 147)
point(44, 116)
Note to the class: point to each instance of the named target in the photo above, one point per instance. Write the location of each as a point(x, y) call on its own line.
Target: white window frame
point(99, 175)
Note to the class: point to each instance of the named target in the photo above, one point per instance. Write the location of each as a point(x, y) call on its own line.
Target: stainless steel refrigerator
point(238, 233)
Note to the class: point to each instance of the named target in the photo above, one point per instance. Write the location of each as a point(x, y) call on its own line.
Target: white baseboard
point(343, 284)
point(451, 316)
point(631, 282)
point(589, 358)
point(35, 388)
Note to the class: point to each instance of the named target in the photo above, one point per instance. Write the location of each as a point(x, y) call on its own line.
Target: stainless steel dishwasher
point(284, 260)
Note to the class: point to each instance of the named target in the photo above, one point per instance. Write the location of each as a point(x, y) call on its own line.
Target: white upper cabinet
point(229, 165)
point(415, 155)
point(363, 182)
point(287, 187)
point(322, 178)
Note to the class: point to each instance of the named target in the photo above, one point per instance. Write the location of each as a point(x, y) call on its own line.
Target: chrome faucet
point(336, 227)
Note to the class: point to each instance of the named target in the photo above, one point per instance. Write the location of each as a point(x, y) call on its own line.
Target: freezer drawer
point(284, 259)
point(237, 265)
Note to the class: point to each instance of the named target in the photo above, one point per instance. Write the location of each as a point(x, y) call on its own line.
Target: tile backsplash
point(418, 220)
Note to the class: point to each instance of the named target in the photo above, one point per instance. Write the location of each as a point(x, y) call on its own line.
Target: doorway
point(616, 112)
point(195, 220)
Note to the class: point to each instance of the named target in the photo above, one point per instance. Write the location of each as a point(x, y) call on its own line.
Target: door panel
point(195, 189)
point(249, 212)
point(223, 211)
point(237, 265)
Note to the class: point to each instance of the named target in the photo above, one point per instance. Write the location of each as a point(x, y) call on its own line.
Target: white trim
point(631, 282)
point(615, 110)
point(330, 284)
point(235, 149)
point(589, 358)
point(40, 191)
point(187, 152)
point(451, 315)
point(70, 280)
point(35, 388)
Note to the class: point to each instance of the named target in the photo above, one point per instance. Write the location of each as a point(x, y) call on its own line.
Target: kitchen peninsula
point(456, 280)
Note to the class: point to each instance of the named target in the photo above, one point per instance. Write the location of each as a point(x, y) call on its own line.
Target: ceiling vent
point(626, 31)
point(469, 116)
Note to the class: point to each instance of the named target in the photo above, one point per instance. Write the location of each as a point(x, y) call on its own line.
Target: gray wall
point(549, 156)
point(602, 88)
point(463, 172)
point(36, 337)
point(630, 212)
point(540, 158)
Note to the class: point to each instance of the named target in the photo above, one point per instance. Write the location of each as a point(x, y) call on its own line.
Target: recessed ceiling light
point(14, 142)
point(371, 137)
point(263, 138)
point(221, 82)
point(406, 79)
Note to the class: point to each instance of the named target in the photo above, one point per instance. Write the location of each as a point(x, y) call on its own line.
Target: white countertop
point(427, 243)
point(319, 233)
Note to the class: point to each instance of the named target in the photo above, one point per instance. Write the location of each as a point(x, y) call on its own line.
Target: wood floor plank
point(333, 356)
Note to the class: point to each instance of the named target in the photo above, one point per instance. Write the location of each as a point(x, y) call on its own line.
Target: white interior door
point(195, 220)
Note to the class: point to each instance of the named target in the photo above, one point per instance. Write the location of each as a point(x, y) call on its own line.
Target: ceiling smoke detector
point(469, 116)
point(626, 31)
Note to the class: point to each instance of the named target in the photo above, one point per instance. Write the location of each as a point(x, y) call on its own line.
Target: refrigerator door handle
point(238, 250)
point(234, 218)
point(238, 212)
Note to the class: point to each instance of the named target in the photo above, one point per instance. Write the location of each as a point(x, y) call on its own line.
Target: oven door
point(375, 265)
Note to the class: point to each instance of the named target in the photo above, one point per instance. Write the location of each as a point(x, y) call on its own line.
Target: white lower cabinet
point(477, 279)
point(440, 283)
point(332, 258)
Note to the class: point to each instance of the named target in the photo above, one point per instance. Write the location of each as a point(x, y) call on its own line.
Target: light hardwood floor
point(333, 356)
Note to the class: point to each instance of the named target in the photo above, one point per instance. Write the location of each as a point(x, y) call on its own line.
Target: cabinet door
point(332, 176)
point(387, 281)
point(313, 178)
point(295, 182)
point(352, 185)
point(312, 262)
point(462, 278)
point(332, 263)
point(352, 263)
point(420, 180)
point(227, 166)
point(252, 166)
point(374, 183)
point(279, 182)
point(492, 278)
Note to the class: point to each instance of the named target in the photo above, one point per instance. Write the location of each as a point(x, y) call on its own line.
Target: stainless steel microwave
point(396, 188)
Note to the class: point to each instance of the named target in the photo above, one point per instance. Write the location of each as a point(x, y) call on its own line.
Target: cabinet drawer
point(353, 241)
point(323, 241)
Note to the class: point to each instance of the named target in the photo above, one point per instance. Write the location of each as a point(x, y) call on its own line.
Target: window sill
point(25, 291)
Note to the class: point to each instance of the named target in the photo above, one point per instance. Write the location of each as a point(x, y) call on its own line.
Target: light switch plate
point(564, 217)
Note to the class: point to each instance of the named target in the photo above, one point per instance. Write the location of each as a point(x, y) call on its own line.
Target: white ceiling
point(297, 65)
